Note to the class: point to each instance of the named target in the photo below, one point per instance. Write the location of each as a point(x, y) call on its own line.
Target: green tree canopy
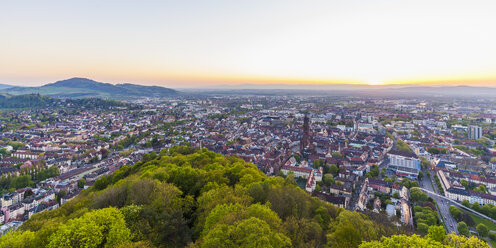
point(482, 230)
point(463, 228)
point(104, 227)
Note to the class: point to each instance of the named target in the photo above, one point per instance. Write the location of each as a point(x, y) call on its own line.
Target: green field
point(486, 222)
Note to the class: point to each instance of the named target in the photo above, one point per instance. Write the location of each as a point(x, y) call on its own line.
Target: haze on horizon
point(206, 43)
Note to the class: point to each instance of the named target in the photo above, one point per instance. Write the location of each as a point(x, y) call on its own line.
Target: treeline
point(39, 101)
point(27, 178)
point(27, 101)
point(187, 198)
point(436, 238)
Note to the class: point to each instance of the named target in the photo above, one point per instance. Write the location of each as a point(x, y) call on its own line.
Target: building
point(298, 171)
point(339, 201)
point(474, 132)
point(445, 183)
point(481, 198)
point(25, 155)
point(306, 142)
point(404, 164)
point(379, 185)
point(457, 194)
point(445, 164)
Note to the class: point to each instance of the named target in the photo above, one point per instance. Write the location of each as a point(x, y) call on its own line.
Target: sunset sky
point(205, 43)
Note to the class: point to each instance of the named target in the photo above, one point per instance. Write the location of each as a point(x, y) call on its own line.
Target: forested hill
point(188, 198)
point(39, 101)
point(84, 88)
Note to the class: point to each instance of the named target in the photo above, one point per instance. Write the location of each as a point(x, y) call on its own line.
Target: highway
point(445, 209)
point(442, 202)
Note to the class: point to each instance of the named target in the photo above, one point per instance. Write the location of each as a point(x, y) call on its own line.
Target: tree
point(316, 164)
point(251, 232)
point(430, 205)
point(420, 175)
point(482, 188)
point(396, 195)
point(476, 206)
point(486, 209)
point(304, 232)
point(18, 239)
point(373, 173)
point(417, 195)
point(337, 155)
point(318, 188)
point(466, 203)
point(455, 212)
point(433, 150)
point(328, 179)
point(437, 233)
point(103, 227)
point(334, 170)
point(81, 183)
point(297, 157)
point(482, 230)
point(451, 240)
point(424, 163)
point(463, 228)
point(351, 228)
point(422, 228)
point(59, 196)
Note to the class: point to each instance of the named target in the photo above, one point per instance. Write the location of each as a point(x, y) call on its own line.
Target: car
point(451, 225)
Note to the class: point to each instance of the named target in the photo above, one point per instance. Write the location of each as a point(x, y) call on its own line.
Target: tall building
point(474, 132)
point(306, 142)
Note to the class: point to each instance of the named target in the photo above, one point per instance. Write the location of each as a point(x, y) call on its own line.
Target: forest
point(197, 198)
point(34, 101)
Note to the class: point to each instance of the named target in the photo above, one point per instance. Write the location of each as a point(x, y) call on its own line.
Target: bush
point(482, 230)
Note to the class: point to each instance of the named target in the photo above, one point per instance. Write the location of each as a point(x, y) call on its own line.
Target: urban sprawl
point(406, 158)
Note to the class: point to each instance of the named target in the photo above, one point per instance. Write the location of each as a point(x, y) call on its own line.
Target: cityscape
point(157, 124)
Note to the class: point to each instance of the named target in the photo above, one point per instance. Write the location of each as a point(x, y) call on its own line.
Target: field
point(488, 223)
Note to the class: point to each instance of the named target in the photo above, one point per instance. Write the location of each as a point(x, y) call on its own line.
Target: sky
point(222, 42)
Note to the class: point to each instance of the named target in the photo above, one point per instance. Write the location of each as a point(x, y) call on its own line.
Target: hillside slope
point(183, 197)
point(35, 101)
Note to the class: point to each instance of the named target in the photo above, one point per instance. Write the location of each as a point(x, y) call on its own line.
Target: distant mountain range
point(347, 89)
point(4, 86)
point(460, 90)
point(83, 88)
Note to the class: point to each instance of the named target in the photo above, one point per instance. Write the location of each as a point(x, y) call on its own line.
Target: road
point(442, 200)
point(444, 205)
point(428, 185)
point(458, 205)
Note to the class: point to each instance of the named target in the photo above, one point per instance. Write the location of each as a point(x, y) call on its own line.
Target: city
point(362, 154)
point(240, 124)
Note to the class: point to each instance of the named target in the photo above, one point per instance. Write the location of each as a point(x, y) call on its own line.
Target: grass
point(490, 225)
point(493, 243)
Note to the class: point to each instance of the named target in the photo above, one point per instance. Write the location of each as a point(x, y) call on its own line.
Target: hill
point(39, 101)
point(196, 198)
point(5, 86)
point(82, 87)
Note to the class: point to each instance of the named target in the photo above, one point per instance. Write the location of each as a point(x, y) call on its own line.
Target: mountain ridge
point(82, 87)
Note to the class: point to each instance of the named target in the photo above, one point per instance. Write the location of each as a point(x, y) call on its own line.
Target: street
point(429, 184)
